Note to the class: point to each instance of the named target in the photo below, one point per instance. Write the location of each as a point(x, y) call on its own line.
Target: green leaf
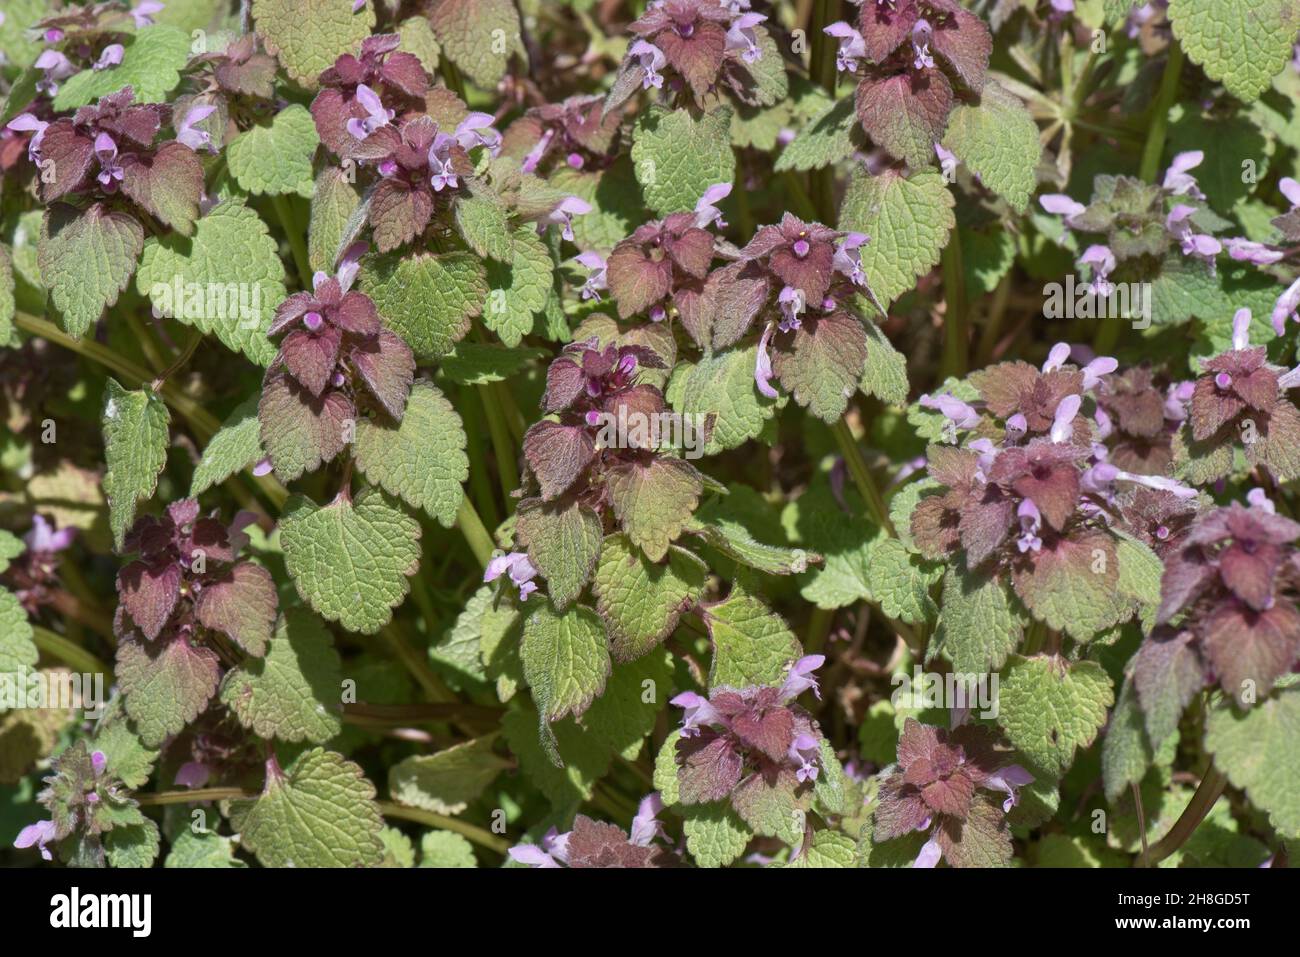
point(350, 561)
point(734, 540)
point(1259, 751)
point(885, 375)
point(20, 46)
point(1241, 43)
point(1140, 571)
point(978, 627)
point(294, 692)
point(715, 834)
point(665, 772)
point(481, 219)
point(563, 542)
point(828, 849)
point(827, 138)
point(519, 290)
point(236, 446)
point(1126, 751)
point(152, 60)
point(478, 36)
point(722, 385)
point(900, 582)
point(586, 759)
point(677, 157)
point(1049, 707)
point(640, 600)
point(202, 849)
point(333, 202)
point(844, 539)
point(275, 157)
point(318, 812)
point(11, 546)
point(653, 500)
point(446, 781)
point(626, 712)
point(752, 645)
point(421, 460)
point(86, 260)
point(135, 845)
point(309, 35)
point(446, 849)
point(225, 280)
point(428, 300)
point(135, 450)
point(167, 684)
point(566, 660)
point(479, 363)
point(998, 140)
point(17, 645)
point(418, 39)
point(908, 219)
point(615, 198)
point(1073, 586)
point(126, 756)
point(6, 297)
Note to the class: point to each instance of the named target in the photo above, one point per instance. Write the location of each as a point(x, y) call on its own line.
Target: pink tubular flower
point(1243, 250)
point(922, 33)
point(930, 854)
point(40, 834)
point(552, 852)
point(142, 13)
point(535, 155)
point(1057, 357)
point(652, 60)
point(645, 828)
point(800, 678)
point(852, 46)
point(1160, 483)
point(1258, 498)
point(519, 568)
point(1058, 204)
point(1063, 420)
point(699, 713)
point(763, 366)
point(1102, 262)
point(1177, 178)
point(28, 123)
point(110, 171)
point(1286, 306)
point(348, 267)
point(805, 750)
point(1241, 329)
point(476, 130)
point(193, 774)
point(791, 303)
point(1095, 370)
point(110, 57)
point(706, 211)
point(959, 413)
point(1290, 189)
point(595, 264)
point(848, 257)
point(1009, 779)
point(440, 164)
point(741, 36)
point(1031, 522)
point(55, 68)
point(44, 539)
point(376, 116)
point(187, 135)
point(563, 215)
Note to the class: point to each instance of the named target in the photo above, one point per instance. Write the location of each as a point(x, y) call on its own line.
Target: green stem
point(416, 662)
point(297, 238)
point(70, 653)
point(148, 345)
point(507, 470)
point(470, 832)
point(819, 626)
point(479, 479)
point(993, 328)
point(1209, 791)
point(471, 526)
point(375, 715)
point(510, 410)
point(862, 477)
point(822, 71)
point(1155, 144)
point(160, 798)
point(956, 324)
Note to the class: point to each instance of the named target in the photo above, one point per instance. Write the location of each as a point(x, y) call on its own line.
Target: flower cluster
point(597, 844)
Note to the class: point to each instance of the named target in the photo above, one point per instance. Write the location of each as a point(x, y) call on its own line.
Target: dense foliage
point(603, 433)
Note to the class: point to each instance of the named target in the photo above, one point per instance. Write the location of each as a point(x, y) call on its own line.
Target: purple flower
point(1094, 370)
point(1102, 262)
point(1290, 189)
point(1178, 222)
point(348, 267)
point(27, 123)
point(1057, 357)
point(376, 116)
point(193, 774)
point(852, 46)
point(652, 60)
point(476, 130)
point(110, 171)
point(520, 569)
point(538, 151)
point(110, 57)
point(1009, 779)
point(1241, 329)
point(44, 539)
point(1258, 498)
point(800, 678)
point(848, 257)
point(644, 826)
point(56, 68)
point(699, 713)
point(440, 163)
point(40, 834)
point(1063, 420)
point(552, 852)
point(706, 212)
point(1058, 204)
point(1031, 522)
point(1177, 179)
point(1243, 250)
point(358, 5)
point(1176, 399)
point(763, 366)
point(805, 750)
point(1160, 483)
point(595, 263)
point(741, 36)
point(1286, 306)
point(1017, 425)
point(922, 33)
point(930, 855)
point(142, 13)
point(791, 302)
point(187, 135)
point(563, 214)
point(98, 761)
point(959, 413)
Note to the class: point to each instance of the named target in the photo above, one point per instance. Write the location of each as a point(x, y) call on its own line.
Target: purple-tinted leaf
point(1250, 650)
point(557, 454)
point(398, 213)
point(167, 185)
point(300, 431)
point(906, 114)
point(708, 768)
point(149, 594)
point(387, 368)
point(310, 357)
point(637, 280)
point(242, 604)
